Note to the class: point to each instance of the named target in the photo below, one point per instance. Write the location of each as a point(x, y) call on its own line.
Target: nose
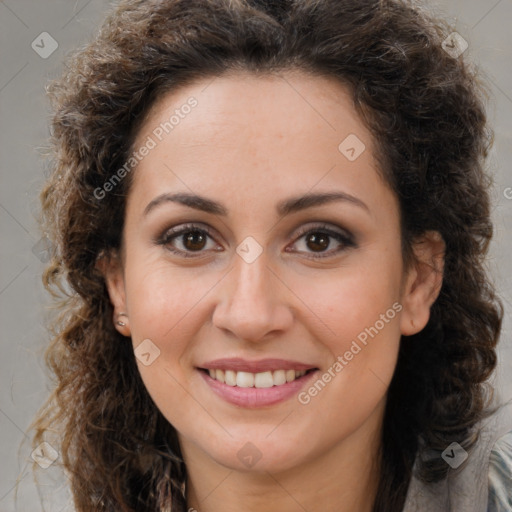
point(253, 302)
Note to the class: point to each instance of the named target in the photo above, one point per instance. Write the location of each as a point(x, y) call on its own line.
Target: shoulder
point(482, 483)
point(500, 475)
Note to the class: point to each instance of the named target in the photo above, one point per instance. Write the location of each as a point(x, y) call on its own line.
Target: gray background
point(24, 382)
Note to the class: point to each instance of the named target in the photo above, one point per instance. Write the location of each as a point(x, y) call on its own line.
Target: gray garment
point(500, 476)
point(481, 483)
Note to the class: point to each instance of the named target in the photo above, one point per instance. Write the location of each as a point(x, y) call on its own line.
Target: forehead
point(248, 136)
point(291, 104)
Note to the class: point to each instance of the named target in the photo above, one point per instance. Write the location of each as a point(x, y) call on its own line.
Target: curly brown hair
point(426, 112)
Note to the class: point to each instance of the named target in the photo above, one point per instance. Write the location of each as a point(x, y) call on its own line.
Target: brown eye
point(194, 240)
point(317, 240)
point(186, 240)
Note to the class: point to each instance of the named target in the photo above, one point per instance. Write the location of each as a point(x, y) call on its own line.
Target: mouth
point(255, 384)
point(266, 379)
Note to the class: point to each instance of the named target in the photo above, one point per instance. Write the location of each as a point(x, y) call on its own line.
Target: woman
point(273, 216)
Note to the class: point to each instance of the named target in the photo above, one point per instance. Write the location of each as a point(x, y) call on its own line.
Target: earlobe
point(111, 268)
point(423, 283)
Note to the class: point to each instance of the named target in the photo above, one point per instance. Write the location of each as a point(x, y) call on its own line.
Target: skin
point(251, 142)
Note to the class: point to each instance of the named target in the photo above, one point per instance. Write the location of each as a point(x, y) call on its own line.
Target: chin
point(257, 456)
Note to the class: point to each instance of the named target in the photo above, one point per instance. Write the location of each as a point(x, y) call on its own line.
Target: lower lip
point(257, 397)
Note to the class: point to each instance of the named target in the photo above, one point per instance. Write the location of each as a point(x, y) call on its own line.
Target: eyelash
point(168, 235)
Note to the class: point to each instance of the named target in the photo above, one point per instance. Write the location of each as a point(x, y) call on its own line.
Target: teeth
point(244, 379)
point(279, 377)
point(290, 375)
point(230, 378)
point(257, 380)
point(263, 380)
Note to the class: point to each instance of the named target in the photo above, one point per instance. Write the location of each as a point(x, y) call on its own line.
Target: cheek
point(167, 306)
point(160, 296)
point(360, 328)
point(162, 301)
point(348, 302)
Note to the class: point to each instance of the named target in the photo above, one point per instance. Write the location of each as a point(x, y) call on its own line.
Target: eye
point(319, 238)
point(190, 238)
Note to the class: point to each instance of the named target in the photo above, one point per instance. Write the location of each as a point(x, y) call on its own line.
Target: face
point(262, 247)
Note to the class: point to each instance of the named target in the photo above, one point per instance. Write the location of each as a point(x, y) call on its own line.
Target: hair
point(425, 110)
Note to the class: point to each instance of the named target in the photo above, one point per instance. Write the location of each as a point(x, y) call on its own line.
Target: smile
point(256, 380)
point(255, 383)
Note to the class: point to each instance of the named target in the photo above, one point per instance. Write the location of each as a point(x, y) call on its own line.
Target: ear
point(423, 282)
point(111, 267)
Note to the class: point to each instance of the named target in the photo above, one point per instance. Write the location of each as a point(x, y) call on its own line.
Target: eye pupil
point(193, 237)
point(321, 241)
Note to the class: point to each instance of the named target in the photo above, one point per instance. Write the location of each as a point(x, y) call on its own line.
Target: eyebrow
point(285, 207)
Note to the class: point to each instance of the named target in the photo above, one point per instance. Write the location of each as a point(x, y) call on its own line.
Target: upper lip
point(238, 364)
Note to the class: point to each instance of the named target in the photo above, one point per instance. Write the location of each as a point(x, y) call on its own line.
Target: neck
point(343, 479)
